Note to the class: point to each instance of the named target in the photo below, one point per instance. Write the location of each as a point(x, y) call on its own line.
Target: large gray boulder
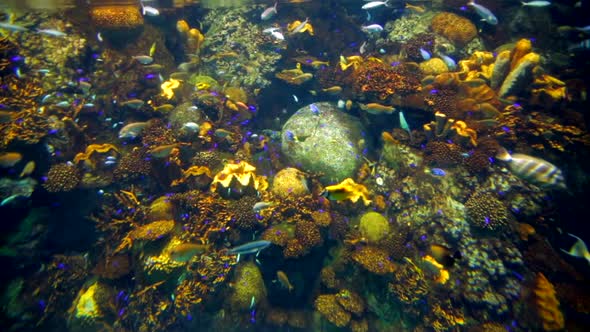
point(321, 138)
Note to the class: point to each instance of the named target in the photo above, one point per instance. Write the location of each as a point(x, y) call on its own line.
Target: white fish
point(52, 32)
point(363, 48)
point(12, 27)
point(485, 14)
point(300, 26)
point(278, 35)
point(149, 10)
point(449, 62)
point(143, 59)
point(99, 37)
point(375, 4)
point(535, 170)
point(536, 3)
point(372, 28)
point(132, 130)
point(425, 54)
point(579, 249)
point(269, 12)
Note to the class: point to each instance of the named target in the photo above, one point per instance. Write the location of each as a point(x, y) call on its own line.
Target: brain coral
point(374, 226)
point(457, 29)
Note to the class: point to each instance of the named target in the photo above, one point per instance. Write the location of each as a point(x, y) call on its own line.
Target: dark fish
point(535, 170)
point(249, 248)
point(444, 255)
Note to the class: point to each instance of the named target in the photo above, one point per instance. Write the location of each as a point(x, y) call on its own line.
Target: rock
point(324, 140)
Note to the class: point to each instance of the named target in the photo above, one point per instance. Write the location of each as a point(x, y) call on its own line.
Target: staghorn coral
point(547, 304)
point(374, 259)
point(327, 305)
point(485, 211)
point(62, 177)
point(457, 29)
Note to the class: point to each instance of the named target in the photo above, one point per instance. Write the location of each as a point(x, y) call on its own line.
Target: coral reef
point(62, 177)
point(457, 29)
point(485, 211)
point(374, 259)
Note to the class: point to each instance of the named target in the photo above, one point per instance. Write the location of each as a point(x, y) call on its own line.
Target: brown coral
point(457, 29)
point(62, 177)
point(410, 284)
point(116, 17)
point(374, 259)
point(133, 165)
point(327, 305)
point(547, 304)
point(485, 211)
point(442, 154)
point(377, 81)
point(243, 216)
point(351, 301)
point(308, 234)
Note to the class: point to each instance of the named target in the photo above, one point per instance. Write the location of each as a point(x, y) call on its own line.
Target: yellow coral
point(168, 88)
point(91, 149)
point(347, 190)
point(193, 171)
point(460, 127)
point(547, 304)
point(243, 173)
point(443, 274)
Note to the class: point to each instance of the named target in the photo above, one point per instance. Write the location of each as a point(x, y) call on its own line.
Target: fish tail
point(503, 155)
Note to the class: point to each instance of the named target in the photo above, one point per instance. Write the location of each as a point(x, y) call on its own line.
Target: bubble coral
point(327, 305)
point(239, 176)
point(62, 177)
point(374, 259)
point(289, 182)
point(485, 211)
point(547, 304)
point(457, 29)
point(374, 227)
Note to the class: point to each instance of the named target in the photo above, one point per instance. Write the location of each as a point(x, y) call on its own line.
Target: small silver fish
point(259, 206)
point(372, 28)
point(12, 27)
point(149, 10)
point(375, 4)
point(425, 54)
point(133, 103)
point(536, 3)
point(485, 14)
point(269, 12)
point(132, 130)
point(52, 32)
point(143, 59)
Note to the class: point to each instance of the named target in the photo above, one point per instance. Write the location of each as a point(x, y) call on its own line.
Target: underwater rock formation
point(321, 138)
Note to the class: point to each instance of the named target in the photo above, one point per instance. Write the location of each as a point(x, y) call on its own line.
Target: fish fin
point(575, 237)
point(567, 252)
point(503, 155)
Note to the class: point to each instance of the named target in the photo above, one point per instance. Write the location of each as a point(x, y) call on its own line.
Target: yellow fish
point(579, 249)
point(284, 280)
point(9, 159)
point(28, 169)
point(153, 49)
point(333, 90)
point(417, 9)
point(375, 108)
point(185, 251)
point(318, 64)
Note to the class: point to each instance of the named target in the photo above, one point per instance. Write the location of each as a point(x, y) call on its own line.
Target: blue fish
point(449, 61)
point(438, 172)
point(249, 248)
point(314, 109)
point(424, 53)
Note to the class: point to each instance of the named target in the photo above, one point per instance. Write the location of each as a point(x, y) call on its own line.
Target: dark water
point(408, 167)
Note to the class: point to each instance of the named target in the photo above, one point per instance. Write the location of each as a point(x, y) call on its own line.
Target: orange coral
point(116, 17)
point(547, 304)
point(457, 29)
point(377, 81)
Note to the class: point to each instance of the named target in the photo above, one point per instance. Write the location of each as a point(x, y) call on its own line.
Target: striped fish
point(537, 171)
